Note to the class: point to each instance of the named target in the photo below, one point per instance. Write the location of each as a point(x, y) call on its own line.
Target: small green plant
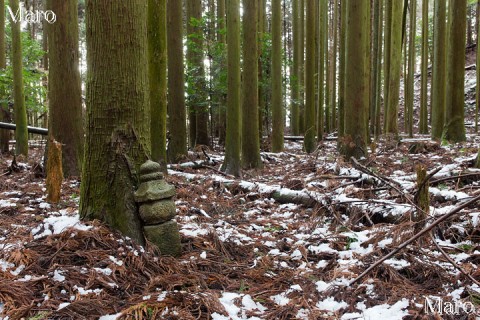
point(40, 316)
point(350, 240)
point(465, 247)
point(243, 286)
point(442, 186)
point(273, 228)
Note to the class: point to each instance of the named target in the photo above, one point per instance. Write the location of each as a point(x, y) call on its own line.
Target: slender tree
point(301, 64)
point(378, 75)
point(439, 71)
point(386, 58)
point(357, 75)
point(341, 67)
point(294, 105)
point(21, 133)
point(309, 140)
point(321, 70)
point(262, 22)
point(232, 164)
point(375, 65)
point(411, 66)
point(455, 113)
point(395, 68)
point(477, 88)
point(423, 127)
point(177, 124)
point(328, 62)
point(118, 113)
point(64, 88)
point(277, 107)
point(333, 99)
point(4, 134)
point(157, 75)
point(198, 106)
point(250, 140)
point(222, 40)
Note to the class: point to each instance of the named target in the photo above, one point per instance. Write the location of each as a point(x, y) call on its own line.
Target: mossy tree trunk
point(232, 163)
point(277, 105)
point(294, 105)
point(455, 113)
point(64, 88)
point(309, 140)
point(4, 134)
point(423, 126)
point(395, 68)
point(357, 74)
point(177, 117)
point(250, 140)
point(157, 74)
point(439, 70)
point(118, 113)
point(21, 133)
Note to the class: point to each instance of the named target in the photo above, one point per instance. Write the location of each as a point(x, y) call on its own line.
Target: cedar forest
point(239, 159)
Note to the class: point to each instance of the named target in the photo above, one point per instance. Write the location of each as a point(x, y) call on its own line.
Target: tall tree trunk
point(439, 70)
point(375, 66)
point(4, 134)
point(411, 65)
point(301, 66)
point(118, 127)
point(232, 163)
point(294, 105)
point(177, 118)
point(309, 140)
point(341, 71)
point(333, 99)
point(395, 68)
point(357, 75)
point(194, 36)
point(261, 66)
point(277, 107)
point(477, 88)
point(222, 39)
point(64, 88)
point(386, 58)
point(378, 75)
point(157, 74)
point(250, 140)
point(21, 133)
point(455, 113)
point(321, 70)
point(423, 127)
point(328, 62)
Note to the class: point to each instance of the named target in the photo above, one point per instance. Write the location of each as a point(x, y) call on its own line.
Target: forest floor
point(284, 242)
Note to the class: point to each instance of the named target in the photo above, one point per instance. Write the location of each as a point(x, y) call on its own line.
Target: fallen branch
point(453, 263)
point(466, 175)
point(415, 237)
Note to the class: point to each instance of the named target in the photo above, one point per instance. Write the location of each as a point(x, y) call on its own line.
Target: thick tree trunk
point(222, 108)
point(357, 74)
point(411, 66)
point(341, 67)
point(386, 58)
point(21, 133)
point(262, 29)
point(64, 88)
point(232, 163)
point(177, 118)
point(321, 70)
point(277, 105)
point(309, 142)
point(157, 74)
point(455, 113)
point(118, 126)
point(378, 75)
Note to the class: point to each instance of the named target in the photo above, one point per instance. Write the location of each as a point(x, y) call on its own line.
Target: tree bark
point(294, 81)
point(423, 127)
point(118, 127)
point(309, 142)
point(455, 113)
point(277, 105)
point(250, 139)
point(177, 118)
point(232, 163)
point(157, 74)
point(64, 88)
point(4, 134)
point(411, 66)
point(21, 133)
point(356, 77)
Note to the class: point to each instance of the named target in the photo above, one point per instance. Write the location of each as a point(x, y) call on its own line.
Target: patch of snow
point(110, 316)
point(203, 255)
point(116, 261)
point(63, 305)
point(448, 194)
point(280, 299)
point(397, 264)
point(383, 311)
point(330, 304)
point(6, 203)
point(59, 224)
point(58, 276)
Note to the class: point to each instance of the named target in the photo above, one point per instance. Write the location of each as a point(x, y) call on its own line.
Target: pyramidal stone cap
point(152, 184)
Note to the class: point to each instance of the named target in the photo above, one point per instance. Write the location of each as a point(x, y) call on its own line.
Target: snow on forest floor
point(282, 243)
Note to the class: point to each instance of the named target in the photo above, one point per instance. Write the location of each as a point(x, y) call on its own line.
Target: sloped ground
point(246, 254)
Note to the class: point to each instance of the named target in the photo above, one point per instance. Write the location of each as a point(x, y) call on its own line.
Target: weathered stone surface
point(154, 190)
point(157, 211)
point(166, 237)
point(149, 167)
point(151, 176)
